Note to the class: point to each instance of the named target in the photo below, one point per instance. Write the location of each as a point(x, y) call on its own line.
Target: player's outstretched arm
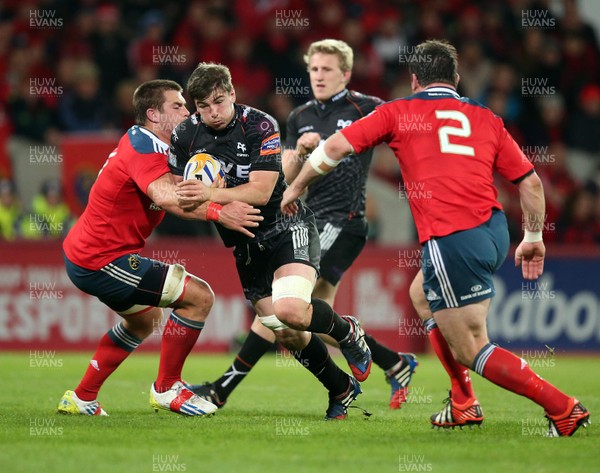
point(291, 163)
point(531, 251)
point(293, 159)
point(237, 216)
point(322, 160)
point(257, 191)
point(162, 191)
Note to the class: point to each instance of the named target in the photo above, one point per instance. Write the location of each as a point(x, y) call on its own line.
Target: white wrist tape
point(532, 237)
point(318, 157)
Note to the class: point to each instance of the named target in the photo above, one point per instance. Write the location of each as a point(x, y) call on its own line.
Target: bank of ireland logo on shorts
point(476, 291)
point(270, 145)
point(134, 262)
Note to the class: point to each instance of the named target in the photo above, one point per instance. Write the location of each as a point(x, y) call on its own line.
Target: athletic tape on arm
point(318, 157)
point(532, 237)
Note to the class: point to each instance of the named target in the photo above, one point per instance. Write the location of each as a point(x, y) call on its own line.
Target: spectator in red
point(203, 34)
point(76, 42)
point(249, 76)
point(578, 223)
point(581, 62)
point(550, 164)
point(147, 49)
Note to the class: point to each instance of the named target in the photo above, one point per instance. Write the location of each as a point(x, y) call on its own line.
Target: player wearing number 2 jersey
point(450, 159)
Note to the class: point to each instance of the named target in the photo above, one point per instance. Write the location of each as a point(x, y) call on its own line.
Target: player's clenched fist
point(307, 143)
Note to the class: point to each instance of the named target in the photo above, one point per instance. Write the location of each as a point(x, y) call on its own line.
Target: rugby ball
point(204, 167)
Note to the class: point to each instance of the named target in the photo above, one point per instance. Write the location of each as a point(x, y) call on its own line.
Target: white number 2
point(445, 132)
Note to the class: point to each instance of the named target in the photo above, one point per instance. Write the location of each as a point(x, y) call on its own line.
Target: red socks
point(501, 367)
point(178, 339)
point(113, 348)
point(462, 389)
point(179, 336)
point(509, 371)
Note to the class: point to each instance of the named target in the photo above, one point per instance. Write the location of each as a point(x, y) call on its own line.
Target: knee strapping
point(272, 322)
point(174, 285)
point(292, 286)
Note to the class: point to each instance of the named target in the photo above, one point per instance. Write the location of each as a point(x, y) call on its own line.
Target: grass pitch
point(273, 422)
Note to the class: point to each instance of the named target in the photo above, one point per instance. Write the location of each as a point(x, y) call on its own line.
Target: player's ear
point(414, 82)
point(457, 80)
point(151, 115)
point(232, 95)
point(347, 75)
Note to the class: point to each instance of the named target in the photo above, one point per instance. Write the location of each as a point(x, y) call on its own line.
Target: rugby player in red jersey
point(101, 252)
point(460, 223)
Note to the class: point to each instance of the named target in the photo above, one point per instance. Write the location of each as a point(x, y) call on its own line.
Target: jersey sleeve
point(178, 158)
point(147, 168)
point(372, 103)
point(511, 162)
point(369, 131)
point(291, 136)
point(265, 151)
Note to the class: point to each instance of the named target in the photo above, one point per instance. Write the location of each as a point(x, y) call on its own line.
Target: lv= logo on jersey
point(242, 171)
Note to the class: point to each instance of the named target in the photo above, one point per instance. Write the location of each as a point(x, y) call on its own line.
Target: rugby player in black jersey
point(338, 202)
point(278, 267)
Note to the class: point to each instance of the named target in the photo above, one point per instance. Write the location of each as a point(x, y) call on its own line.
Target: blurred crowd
point(71, 67)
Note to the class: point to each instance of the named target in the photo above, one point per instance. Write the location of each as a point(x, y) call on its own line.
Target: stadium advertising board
point(560, 310)
point(40, 309)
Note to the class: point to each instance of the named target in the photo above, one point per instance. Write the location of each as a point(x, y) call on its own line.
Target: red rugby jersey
point(119, 215)
point(447, 147)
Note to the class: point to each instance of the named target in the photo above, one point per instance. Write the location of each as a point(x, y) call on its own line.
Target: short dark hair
point(151, 94)
point(434, 61)
point(208, 77)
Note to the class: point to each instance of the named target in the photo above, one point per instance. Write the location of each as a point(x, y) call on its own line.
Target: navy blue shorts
point(128, 281)
point(458, 268)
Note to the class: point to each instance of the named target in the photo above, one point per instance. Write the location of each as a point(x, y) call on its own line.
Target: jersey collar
point(441, 91)
point(159, 144)
point(330, 101)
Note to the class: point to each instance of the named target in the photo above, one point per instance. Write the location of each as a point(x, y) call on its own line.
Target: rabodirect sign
point(560, 310)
